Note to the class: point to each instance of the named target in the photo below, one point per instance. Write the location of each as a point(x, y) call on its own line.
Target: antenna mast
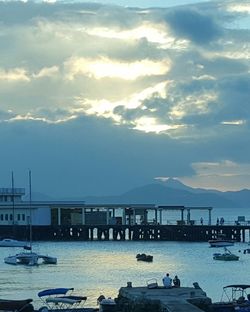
point(30, 207)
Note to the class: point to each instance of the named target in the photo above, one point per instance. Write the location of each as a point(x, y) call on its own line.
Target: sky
point(97, 98)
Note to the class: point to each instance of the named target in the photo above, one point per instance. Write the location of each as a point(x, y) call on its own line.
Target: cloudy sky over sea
point(97, 98)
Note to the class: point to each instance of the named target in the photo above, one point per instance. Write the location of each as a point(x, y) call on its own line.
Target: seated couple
point(167, 281)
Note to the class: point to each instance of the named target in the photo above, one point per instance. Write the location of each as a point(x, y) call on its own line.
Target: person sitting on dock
point(176, 281)
point(167, 281)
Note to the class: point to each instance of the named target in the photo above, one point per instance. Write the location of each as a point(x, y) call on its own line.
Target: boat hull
point(12, 243)
point(220, 243)
point(226, 257)
point(30, 258)
point(16, 305)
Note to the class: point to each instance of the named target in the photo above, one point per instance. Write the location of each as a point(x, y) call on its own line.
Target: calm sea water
point(95, 268)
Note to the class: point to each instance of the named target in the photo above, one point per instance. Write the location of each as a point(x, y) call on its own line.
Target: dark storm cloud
point(70, 156)
point(196, 26)
point(235, 94)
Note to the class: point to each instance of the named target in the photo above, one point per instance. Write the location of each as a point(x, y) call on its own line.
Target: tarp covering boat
point(54, 291)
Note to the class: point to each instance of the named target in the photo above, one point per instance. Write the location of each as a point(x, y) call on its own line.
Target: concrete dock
point(182, 299)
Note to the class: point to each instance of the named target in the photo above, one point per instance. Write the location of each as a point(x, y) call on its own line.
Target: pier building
point(78, 220)
point(15, 210)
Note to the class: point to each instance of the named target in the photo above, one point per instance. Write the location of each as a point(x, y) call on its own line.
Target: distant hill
point(171, 192)
point(160, 194)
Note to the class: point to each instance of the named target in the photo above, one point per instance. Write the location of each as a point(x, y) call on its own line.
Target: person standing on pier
point(176, 281)
point(167, 281)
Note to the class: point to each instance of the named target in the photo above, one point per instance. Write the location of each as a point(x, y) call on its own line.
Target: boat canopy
point(54, 291)
point(242, 286)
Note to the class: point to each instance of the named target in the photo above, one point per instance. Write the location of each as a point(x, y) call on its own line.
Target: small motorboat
point(234, 298)
point(221, 241)
point(9, 242)
point(61, 299)
point(226, 256)
point(144, 257)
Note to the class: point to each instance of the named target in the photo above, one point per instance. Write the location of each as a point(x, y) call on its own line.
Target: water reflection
point(95, 268)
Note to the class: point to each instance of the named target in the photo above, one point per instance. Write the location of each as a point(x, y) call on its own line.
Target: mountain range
point(171, 192)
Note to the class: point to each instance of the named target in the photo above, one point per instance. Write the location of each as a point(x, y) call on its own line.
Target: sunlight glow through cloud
point(47, 72)
point(239, 7)
point(195, 104)
point(105, 67)
point(234, 122)
point(29, 116)
point(16, 74)
point(150, 124)
point(105, 108)
point(156, 33)
point(224, 176)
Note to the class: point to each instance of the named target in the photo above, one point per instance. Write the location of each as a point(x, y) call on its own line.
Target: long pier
point(191, 233)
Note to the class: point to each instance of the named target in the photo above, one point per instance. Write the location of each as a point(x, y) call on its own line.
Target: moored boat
point(9, 242)
point(30, 259)
point(144, 257)
point(16, 305)
point(62, 299)
point(234, 298)
point(221, 241)
point(226, 256)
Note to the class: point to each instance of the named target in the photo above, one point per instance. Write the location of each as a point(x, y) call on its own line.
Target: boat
point(9, 242)
point(61, 299)
point(29, 257)
point(226, 256)
point(221, 241)
point(144, 257)
point(234, 298)
point(16, 305)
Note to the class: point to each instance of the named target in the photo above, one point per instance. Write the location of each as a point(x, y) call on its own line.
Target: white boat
point(29, 257)
point(221, 241)
point(226, 256)
point(234, 298)
point(62, 299)
point(9, 242)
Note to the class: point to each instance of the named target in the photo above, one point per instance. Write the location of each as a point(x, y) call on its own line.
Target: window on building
point(6, 217)
point(23, 217)
point(11, 217)
point(1, 217)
